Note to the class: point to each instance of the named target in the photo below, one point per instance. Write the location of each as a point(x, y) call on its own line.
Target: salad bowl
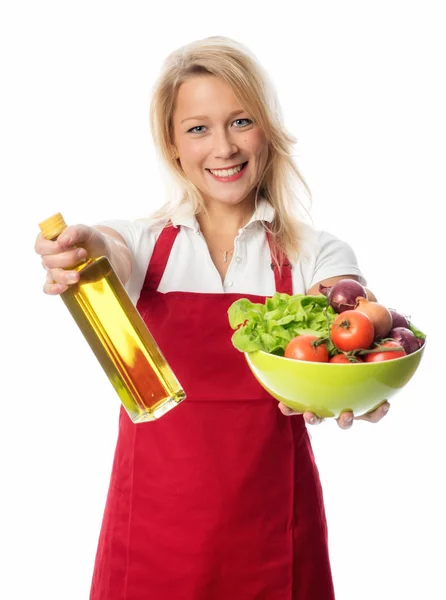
point(328, 389)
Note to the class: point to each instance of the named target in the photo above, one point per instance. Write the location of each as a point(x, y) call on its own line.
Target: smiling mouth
point(224, 173)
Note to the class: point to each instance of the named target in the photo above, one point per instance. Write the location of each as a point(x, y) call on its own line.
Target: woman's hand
point(73, 246)
point(345, 421)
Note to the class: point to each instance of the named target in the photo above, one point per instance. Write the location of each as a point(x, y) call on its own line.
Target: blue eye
point(195, 129)
point(243, 122)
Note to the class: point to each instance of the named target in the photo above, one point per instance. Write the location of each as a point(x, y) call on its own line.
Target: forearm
point(117, 252)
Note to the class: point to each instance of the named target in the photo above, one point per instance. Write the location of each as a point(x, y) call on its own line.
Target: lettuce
point(417, 333)
point(270, 326)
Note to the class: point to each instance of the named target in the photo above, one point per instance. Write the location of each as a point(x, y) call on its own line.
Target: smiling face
point(221, 150)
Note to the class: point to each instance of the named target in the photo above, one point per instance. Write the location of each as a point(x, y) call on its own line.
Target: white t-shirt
point(190, 267)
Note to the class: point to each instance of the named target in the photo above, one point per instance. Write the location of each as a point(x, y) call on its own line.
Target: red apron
point(220, 499)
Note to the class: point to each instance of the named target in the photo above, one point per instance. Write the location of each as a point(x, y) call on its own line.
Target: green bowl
point(327, 389)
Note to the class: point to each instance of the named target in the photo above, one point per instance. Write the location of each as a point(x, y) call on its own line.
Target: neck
point(226, 219)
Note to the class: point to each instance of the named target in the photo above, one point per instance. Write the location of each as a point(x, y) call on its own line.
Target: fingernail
point(386, 407)
point(64, 239)
point(349, 419)
point(312, 420)
point(72, 277)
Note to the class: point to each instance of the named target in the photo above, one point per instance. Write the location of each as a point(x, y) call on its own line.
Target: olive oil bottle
point(118, 336)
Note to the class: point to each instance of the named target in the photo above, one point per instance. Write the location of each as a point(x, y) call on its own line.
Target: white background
point(362, 88)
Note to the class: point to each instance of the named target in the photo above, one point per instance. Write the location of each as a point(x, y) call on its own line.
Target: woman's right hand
point(74, 245)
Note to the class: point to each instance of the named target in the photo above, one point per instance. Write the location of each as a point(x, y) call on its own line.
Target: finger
point(74, 235)
point(64, 259)
point(51, 288)
point(376, 415)
point(44, 247)
point(345, 420)
point(57, 279)
point(288, 412)
point(58, 255)
point(312, 419)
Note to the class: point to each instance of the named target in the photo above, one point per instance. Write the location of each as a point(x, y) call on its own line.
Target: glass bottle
point(118, 336)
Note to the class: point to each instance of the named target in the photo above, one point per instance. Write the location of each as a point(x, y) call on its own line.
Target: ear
point(174, 152)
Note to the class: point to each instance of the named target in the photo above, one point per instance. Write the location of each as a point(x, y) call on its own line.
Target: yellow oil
point(121, 342)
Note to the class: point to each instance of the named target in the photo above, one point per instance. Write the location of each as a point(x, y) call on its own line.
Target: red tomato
point(386, 355)
point(304, 347)
point(341, 358)
point(352, 330)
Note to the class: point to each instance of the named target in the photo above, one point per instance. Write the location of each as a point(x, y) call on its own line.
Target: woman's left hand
point(345, 421)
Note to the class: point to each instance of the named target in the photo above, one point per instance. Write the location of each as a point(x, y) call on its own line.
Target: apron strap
point(282, 276)
point(160, 256)
point(163, 246)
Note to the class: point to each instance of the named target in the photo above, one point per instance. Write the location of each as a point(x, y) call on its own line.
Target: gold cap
point(51, 228)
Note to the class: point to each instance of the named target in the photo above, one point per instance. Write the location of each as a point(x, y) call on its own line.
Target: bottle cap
point(51, 228)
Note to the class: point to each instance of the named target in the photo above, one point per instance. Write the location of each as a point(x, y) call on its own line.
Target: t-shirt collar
point(185, 218)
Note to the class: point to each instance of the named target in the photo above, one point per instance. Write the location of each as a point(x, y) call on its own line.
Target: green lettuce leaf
point(243, 310)
point(416, 332)
point(270, 326)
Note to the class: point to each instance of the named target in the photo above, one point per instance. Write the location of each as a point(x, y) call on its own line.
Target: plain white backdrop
point(362, 88)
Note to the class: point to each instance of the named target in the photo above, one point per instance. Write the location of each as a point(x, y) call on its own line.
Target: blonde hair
point(233, 63)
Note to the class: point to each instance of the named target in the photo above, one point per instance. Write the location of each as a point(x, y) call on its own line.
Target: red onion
point(342, 295)
point(406, 339)
point(398, 320)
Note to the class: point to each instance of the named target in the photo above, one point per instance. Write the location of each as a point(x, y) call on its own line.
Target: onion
point(378, 314)
point(342, 295)
point(406, 339)
point(398, 320)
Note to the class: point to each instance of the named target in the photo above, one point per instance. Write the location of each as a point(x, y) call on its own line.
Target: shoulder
point(326, 255)
point(314, 242)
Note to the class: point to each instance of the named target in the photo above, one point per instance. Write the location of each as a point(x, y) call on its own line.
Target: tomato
point(386, 355)
point(341, 358)
point(352, 330)
point(305, 347)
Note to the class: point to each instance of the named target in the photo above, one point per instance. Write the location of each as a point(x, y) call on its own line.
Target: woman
point(220, 499)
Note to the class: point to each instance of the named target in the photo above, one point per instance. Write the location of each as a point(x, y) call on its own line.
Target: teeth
point(226, 172)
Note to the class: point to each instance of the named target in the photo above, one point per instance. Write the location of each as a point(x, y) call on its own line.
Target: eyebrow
point(202, 117)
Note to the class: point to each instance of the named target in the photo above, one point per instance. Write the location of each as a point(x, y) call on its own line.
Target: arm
point(314, 291)
point(117, 252)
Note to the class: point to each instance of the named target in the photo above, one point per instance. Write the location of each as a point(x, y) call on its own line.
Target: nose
point(224, 145)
